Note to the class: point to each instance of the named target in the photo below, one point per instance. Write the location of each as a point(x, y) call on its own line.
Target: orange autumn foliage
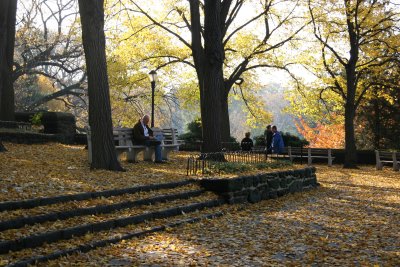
point(322, 135)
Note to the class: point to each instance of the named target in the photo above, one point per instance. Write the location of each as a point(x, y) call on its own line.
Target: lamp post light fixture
point(153, 78)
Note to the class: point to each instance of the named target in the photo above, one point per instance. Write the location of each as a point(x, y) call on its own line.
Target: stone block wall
point(255, 188)
point(61, 124)
point(30, 138)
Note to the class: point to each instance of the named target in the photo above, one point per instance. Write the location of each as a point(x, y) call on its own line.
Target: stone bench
point(166, 146)
point(385, 157)
point(123, 138)
point(123, 144)
point(170, 136)
point(168, 140)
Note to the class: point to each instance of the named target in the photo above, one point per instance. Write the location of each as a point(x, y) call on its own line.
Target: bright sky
point(47, 12)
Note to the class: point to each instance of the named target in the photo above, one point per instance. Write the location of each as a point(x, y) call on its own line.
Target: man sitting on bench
point(143, 135)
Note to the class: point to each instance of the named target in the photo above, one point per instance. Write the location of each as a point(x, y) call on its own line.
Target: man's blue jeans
point(157, 147)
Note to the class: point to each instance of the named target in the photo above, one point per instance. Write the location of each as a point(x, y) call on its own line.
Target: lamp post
point(153, 77)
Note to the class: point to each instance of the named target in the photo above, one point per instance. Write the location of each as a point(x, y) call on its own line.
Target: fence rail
point(198, 165)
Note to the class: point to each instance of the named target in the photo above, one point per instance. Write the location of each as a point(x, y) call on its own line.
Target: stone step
point(91, 203)
point(36, 240)
point(92, 238)
point(49, 226)
point(101, 209)
point(84, 248)
point(44, 201)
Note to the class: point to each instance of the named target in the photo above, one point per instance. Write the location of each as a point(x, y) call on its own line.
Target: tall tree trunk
point(213, 77)
point(103, 149)
point(225, 125)
point(350, 158)
point(350, 141)
point(198, 50)
point(199, 56)
point(377, 123)
point(8, 10)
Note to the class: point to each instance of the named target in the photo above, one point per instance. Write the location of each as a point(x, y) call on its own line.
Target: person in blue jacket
point(277, 141)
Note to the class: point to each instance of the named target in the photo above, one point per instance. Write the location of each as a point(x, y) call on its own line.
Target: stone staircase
point(38, 230)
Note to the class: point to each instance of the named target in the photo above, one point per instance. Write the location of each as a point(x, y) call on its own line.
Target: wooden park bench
point(312, 153)
point(384, 157)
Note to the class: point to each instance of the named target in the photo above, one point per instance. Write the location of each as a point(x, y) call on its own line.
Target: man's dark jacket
point(138, 134)
point(268, 138)
point(246, 144)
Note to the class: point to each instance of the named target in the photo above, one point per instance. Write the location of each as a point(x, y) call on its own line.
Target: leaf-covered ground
point(30, 171)
point(352, 219)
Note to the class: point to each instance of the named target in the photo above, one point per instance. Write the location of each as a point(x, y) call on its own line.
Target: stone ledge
point(44, 201)
point(102, 243)
point(255, 188)
point(37, 240)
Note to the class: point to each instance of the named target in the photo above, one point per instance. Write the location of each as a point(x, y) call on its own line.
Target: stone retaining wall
point(15, 125)
point(59, 123)
point(257, 187)
point(30, 137)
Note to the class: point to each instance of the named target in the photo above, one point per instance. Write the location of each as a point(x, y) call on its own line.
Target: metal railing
point(200, 164)
point(196, 164)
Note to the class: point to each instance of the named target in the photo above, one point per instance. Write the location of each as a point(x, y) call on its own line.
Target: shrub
point(288, 139)
point(232, 145)
point(292, 140)
point(37, 119)
point(195, 134)
point(259, 140)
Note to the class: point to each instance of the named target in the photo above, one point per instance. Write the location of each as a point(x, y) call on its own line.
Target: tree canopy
point(358, 41)
point(340, 60)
